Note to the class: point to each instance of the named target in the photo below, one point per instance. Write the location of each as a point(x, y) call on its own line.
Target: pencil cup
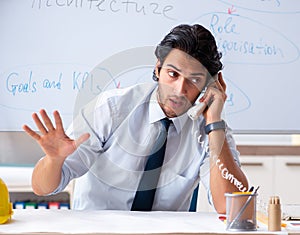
point(241, 211)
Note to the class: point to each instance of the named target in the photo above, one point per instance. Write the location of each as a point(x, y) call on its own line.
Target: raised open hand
point(52, 139)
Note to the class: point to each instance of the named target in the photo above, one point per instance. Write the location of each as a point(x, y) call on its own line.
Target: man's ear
point(157, 69)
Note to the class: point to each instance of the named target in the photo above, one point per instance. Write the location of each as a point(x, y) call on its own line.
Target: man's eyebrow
point(174, 67)
point(179, 70)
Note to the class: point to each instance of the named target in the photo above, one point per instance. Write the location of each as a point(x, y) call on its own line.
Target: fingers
point(82, 139)
point(221, 81)
point(214, 91)
point(39, 124)
point(46, 119)
point(220, 85)
point(30, 132)
point(45, 125)
point(58, 121)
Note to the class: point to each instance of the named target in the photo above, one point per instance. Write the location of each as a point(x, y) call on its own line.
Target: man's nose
point(181, 86)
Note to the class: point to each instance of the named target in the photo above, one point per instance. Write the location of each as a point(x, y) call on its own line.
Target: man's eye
point(173, 74)
point(195, 80)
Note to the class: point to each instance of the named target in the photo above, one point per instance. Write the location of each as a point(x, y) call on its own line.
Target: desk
point(25, 221)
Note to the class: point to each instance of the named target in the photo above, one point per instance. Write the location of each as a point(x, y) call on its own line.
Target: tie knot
point(166, 122)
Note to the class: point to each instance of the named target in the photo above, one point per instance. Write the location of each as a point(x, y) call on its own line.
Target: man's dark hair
point(194, 40)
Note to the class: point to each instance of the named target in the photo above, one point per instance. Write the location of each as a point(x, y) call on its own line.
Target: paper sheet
point(113, 222)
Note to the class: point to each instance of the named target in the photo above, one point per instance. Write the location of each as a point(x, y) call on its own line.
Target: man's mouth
point(176, 103)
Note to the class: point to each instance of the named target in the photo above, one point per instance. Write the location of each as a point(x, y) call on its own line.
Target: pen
point(251, 189)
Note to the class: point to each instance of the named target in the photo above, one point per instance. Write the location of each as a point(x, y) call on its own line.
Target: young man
point(110, 141)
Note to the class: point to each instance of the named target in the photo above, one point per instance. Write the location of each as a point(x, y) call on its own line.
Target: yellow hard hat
point(5, 205)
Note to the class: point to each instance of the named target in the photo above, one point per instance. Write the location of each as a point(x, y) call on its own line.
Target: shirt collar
point(156, 113)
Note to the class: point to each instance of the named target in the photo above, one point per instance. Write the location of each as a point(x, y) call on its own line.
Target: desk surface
point(26, 221)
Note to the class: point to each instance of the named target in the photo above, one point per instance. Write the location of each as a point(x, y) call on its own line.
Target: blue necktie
point(144, 196)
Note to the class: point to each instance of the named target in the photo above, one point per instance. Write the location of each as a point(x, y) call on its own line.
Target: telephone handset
point(196, 110)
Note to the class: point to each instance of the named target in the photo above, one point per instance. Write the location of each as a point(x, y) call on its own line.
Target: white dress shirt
point(124, 124)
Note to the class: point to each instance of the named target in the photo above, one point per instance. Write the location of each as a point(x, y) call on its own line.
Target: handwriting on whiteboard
point(30, 83)
point(111, 6)
point(266, 46)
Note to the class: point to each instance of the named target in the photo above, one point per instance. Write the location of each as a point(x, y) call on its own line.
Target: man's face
point(180, 81)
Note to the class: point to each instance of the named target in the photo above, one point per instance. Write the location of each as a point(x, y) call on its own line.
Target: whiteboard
point(58, 54)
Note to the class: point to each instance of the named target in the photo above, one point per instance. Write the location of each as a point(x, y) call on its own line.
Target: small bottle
point(274, 214)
